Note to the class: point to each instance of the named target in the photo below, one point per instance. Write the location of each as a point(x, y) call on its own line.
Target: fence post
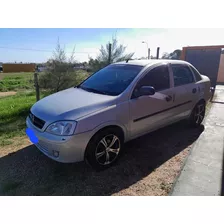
point(109, 58)
point(36, 84)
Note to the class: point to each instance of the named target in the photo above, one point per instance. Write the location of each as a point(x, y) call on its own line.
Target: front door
point(150, 112)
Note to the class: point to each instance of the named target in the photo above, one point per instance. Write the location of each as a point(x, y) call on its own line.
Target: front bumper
point(65, 149)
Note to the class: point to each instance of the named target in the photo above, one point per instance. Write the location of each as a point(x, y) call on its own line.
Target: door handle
point(168, 98)
point(194, 90)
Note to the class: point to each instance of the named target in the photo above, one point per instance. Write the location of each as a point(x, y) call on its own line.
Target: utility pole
point(148, 53)
point(109, 58)
point(157, 53)
point(148, 49)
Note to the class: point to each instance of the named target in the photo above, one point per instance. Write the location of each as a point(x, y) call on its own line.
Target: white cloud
point(167, 39)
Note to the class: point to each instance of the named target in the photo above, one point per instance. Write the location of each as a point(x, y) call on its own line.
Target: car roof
point(151, 62)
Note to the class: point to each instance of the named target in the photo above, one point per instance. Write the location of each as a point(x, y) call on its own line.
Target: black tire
point(97, 146)
point(197, 114)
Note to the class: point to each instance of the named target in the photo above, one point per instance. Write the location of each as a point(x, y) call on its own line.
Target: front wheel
point(197, 115)
point(104, 148)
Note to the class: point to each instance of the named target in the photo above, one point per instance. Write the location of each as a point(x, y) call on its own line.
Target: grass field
point(16, 81)
point(14, 109)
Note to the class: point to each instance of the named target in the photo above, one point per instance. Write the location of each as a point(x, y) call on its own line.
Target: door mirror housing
point(146, 91)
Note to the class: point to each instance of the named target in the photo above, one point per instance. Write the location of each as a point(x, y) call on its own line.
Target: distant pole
point(36, 84)
point(157, 53)
point(148, 49)
point(109, 58)
point(148, 53)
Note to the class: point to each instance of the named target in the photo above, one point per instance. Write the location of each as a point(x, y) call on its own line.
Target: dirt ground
point(149, 165)
point(10, 93)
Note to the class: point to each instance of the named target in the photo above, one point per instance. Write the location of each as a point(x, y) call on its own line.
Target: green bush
point(60, 73)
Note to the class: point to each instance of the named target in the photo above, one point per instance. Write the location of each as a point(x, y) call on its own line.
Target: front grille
point(36, 121)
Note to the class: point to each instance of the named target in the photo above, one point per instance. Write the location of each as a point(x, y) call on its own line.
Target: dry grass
point(148, 166)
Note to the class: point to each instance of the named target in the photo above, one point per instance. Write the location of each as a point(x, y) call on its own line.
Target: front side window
point(111, 80)
point(158, 78)
point(182, 75)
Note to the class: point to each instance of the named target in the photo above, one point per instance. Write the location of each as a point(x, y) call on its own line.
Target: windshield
point(111, 80)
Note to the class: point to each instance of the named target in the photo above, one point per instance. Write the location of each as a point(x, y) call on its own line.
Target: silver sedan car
point(120, 102)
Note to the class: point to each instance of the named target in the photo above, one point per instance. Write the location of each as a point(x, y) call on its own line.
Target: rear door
point(203, 85)
point(185, 90)
point(150, 112)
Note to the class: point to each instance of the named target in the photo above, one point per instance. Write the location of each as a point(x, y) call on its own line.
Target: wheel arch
point(201, 100)
point(121, 129)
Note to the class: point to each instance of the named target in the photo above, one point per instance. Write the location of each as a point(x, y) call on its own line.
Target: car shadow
point(29, 172)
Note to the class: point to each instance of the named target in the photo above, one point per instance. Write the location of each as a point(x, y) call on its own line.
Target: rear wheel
point(104, 148)
point(197, 115)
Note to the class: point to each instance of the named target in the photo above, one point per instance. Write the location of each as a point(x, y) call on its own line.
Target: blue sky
point(87, 41)
point(46, 39)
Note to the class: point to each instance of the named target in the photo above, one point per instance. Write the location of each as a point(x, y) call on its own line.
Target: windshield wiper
point(92, 90)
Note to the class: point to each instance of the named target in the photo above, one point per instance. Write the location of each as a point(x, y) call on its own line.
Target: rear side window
point(182, 75)
point(158, 78)
point(196, 74)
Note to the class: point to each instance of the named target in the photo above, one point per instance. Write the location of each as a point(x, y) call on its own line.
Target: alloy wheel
point(199, 113)
point(107, 149)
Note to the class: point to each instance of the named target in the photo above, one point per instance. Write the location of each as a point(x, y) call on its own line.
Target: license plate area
point(31, 135)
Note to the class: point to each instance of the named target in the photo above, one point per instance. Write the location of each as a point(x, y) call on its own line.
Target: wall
point(206, 59)
point(220, 78)
point(183, 53)
point(7, 68)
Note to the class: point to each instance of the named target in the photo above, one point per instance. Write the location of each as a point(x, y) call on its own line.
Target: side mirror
point(146, 91)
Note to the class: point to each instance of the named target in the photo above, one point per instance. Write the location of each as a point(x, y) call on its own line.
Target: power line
point(29, 49)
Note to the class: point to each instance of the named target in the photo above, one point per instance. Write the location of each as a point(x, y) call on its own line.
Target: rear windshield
point(111, 80)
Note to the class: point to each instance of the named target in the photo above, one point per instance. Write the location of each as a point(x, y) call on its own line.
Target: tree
point(117, 54)
point(174, 55)
point(153, 57)
point(59, 72)
point(95, 64)
point(166, 55)
point(141, 58)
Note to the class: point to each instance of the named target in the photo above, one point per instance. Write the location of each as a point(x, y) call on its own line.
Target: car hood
point(70, 104)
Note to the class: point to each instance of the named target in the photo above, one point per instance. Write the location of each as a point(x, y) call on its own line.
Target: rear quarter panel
point(205, 85)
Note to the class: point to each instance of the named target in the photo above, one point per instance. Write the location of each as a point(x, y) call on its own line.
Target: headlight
point(62, 128)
